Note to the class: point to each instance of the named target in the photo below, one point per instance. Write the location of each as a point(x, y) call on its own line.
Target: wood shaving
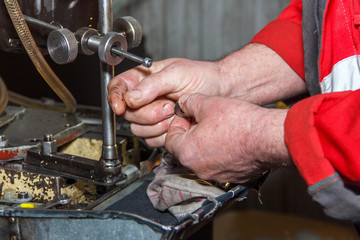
point(84, 147)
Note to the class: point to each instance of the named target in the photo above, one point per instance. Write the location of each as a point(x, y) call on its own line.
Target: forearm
point(259, 75)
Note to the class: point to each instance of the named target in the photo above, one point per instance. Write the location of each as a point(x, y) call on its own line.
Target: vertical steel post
point(110, 159)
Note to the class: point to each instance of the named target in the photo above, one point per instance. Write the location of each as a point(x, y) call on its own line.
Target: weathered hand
point(149, 93)
point(255, 74)
point(229, 139)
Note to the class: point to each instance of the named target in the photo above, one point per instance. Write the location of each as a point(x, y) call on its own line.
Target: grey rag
point(178, 190)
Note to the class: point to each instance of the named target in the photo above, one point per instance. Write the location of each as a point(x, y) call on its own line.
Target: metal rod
point(109, 151)
point(146, 62)
point(41, 23)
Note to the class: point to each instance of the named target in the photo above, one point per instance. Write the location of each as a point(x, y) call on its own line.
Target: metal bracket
point(61, 164)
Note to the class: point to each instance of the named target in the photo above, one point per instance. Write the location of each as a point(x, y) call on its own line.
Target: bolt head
point(48, 137)
point(12, 220)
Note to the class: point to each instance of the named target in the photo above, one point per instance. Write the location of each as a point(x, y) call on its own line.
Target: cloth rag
point(178, 190)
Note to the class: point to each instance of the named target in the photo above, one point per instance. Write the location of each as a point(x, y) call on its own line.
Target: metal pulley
point(82, 35)
point(131, 29)
point(104, 45)
point(64, 45)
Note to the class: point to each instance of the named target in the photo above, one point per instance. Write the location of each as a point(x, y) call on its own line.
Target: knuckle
point(155, 114)
point(135, 129)
point(202, 175)
point(164, 125)
point(154, 142)
point(117, 81)
point(186, 156)
point(192, 100)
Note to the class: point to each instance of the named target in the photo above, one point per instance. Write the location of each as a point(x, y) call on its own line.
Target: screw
point(22, 195)
point(2, 138)
point(11, 220)
point(147, 62)
point(14, 42)
point(48, 137)
point(3, 141)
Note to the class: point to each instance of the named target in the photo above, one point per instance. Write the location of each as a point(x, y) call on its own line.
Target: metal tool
point(179, 112)
point(64, 45)
point(110, 161)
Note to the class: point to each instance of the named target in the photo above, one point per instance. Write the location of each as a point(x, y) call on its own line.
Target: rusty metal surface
point(78, 14)
point(13, 153)
point(29, 126)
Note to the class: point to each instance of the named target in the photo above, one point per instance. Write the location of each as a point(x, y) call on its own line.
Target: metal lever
point(146, 62)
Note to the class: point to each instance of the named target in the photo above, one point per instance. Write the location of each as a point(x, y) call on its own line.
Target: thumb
point(193, 105)
point(176, 135)
point(150, 88)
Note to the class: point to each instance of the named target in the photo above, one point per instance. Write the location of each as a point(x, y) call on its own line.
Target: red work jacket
point(320, 40)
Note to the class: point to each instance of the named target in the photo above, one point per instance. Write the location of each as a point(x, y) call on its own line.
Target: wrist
point(272, 150)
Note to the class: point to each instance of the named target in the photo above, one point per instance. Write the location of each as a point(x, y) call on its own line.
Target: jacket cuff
point(285, 38)
point(303, 142)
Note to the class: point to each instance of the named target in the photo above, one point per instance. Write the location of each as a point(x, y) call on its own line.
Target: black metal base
point(70, 166)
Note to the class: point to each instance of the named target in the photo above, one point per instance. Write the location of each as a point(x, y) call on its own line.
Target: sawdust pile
point(40, 187)
point(84, 147)
point(43, 188)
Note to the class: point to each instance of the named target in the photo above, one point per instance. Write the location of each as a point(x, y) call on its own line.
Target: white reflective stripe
point(344, 76)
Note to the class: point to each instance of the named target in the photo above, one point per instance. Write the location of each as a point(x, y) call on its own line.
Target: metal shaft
point(146, 62)
point(40, 23)
point(109, 151)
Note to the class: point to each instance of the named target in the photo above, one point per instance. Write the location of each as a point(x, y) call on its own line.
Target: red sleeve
point(284, 36)
point(322, 134)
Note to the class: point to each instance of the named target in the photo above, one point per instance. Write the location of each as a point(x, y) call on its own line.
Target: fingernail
point(168, 110)
point(115, 107)
point(135, 94)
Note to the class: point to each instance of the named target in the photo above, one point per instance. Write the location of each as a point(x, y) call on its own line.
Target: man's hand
point(229, 139)
point(255, 74)
point(150, 93)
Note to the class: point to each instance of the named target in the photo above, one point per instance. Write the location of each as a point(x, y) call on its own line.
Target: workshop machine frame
point(46, 224)
point(99, 220)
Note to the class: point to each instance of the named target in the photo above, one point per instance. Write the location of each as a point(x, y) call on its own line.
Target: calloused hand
point(150, 93)
point(229, 139)
point(146, 96)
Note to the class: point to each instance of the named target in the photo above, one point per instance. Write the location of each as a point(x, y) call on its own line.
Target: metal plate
point(28, 127)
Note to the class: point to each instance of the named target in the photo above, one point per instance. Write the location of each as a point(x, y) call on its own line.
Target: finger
point(127, 81)
point(158, 141)
point(152, 113)
point(116, 90)
point(149, 131)
point(119, 85)
point(193, 105)
point(133, 76)
point(176, 135)
point(167, 81)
